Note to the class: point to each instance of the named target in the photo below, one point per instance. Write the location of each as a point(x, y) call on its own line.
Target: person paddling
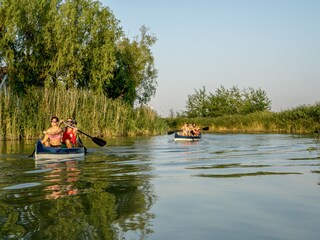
point(195, 130)
point(69, 137)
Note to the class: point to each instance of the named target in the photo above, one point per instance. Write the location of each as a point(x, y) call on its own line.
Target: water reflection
point(62, 179)
point(103, 197)
point(227, 186)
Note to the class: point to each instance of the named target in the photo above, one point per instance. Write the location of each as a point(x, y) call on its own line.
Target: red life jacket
point(69, 135)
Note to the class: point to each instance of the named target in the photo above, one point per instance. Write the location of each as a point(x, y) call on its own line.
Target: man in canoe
point(52, 137)
point(195, 131)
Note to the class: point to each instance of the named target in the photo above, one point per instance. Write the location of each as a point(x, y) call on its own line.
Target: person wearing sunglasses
point(53, 135)
point(69, 137)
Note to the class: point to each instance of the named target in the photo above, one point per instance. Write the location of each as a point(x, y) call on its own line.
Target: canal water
point(227, 186)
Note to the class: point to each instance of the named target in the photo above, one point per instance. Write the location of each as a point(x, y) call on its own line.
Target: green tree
point(226, 101)
point(134, 73)
point(255, 101)
point(197, 104)
point(21, 46)
point(85, 40)
point(75, 44)
point(58, 42)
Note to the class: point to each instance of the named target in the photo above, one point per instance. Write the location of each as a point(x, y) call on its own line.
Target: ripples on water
point(227, 186)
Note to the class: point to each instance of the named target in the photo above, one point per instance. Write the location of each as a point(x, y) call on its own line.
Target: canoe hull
point(42, 152)
point(178, 137)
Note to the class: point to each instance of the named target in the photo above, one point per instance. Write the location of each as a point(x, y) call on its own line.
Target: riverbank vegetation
point(72, 59)
point(304, 119)
point(25, 117)
point(247, 111)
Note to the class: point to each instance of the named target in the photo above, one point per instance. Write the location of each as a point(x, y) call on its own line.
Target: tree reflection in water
point(79, 200)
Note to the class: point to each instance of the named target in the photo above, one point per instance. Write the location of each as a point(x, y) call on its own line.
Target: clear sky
point(269, 44)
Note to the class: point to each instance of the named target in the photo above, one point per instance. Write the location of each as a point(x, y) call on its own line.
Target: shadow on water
point(102, 197)
point(235, 175)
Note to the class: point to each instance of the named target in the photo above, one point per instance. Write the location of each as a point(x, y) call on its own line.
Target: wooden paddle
point(171, 132)
point(96, 140)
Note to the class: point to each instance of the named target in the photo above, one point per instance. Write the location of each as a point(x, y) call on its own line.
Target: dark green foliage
point(74, 44)
point(134, 72)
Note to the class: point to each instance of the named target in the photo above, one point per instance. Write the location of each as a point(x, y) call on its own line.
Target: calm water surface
point(228, 186)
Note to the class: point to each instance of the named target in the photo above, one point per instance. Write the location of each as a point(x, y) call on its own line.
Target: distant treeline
point(247, 110)
point(26, 116)
point(226, 102)
point(304, 119)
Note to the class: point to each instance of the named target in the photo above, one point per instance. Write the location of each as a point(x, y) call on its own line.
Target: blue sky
point(269, 44)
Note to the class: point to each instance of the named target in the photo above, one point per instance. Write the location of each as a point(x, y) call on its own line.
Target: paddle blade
point(205, 128)
point(99, 141)
point(32, 154)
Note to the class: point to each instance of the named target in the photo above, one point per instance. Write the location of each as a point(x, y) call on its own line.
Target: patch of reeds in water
point(26, 117)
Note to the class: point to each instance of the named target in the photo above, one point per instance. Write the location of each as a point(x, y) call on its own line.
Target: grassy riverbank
point(26, 117)
point(300, 120)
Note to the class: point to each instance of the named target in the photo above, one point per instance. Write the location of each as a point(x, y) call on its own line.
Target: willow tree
point(22, 47)
point(58, 42)
point(74, 44)
point(86, 35)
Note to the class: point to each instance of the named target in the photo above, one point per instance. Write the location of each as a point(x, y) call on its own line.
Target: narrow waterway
point(227, 186)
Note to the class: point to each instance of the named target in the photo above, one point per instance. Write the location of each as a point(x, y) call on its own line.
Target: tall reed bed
point(303, 119)
point(26, 117)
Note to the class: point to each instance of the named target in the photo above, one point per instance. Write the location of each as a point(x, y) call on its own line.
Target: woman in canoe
point(52, 137)
point(185, 129)
point(70, 134)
